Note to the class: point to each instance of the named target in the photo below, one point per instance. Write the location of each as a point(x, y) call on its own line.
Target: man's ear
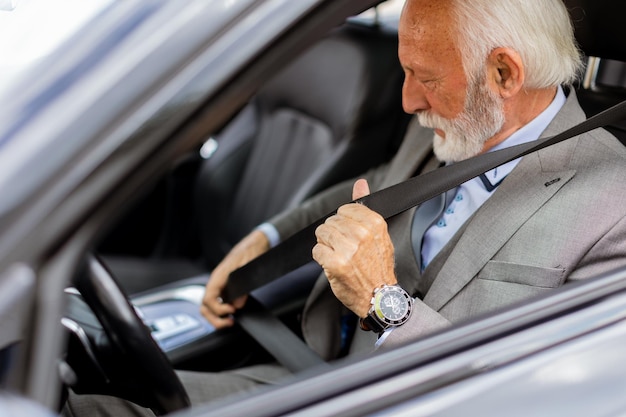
point(505, 72)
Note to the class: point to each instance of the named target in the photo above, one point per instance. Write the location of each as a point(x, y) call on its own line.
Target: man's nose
point(413, 97)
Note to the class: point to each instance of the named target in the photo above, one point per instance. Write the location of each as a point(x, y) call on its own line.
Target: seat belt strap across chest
point(295, 251)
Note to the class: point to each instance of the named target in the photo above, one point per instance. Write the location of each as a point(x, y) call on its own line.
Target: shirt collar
point(527, 133)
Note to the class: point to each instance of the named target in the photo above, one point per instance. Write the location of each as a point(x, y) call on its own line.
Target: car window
point(31, 29)
point(389, 8)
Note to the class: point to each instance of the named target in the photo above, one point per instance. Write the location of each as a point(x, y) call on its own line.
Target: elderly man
point(483, 75)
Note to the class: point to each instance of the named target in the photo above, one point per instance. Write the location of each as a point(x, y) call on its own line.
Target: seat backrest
point(600, 31)
point(332, 114)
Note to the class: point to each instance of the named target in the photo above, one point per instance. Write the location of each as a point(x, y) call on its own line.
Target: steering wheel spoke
point(148, 368)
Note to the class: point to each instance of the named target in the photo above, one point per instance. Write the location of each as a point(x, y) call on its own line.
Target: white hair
point(539, 30)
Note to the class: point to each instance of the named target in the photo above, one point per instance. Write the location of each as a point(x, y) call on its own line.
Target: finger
point(331, 233)
point(355, 221)
point(238, 303)
point(360, 189)
point(322, 254)
point(355, 210)
point(215, 307)
point(217, 321)
point(362, 217)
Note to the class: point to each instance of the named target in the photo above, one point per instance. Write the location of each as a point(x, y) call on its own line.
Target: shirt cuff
point(270, 232)
point(383, 336)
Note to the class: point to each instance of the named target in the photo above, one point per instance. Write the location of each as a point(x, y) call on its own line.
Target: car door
point(97, 122)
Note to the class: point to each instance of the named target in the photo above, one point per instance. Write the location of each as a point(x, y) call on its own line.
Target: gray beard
point(466, 134)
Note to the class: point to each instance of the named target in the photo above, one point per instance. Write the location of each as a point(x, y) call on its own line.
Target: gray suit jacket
point(559, 216)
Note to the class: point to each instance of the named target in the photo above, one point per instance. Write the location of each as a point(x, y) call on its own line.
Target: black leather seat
point(329, 116)
point(333, 113)
point(607, 87)
point(600, 32)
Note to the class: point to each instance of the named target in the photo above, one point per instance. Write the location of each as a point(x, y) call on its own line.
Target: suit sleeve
point(291, 221)
point(607, 254)
point(422, 322)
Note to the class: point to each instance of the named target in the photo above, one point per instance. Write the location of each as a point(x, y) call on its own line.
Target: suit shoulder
point(605, 142)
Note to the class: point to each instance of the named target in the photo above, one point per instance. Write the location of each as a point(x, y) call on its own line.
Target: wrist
point(270, 234)
point(390, 306)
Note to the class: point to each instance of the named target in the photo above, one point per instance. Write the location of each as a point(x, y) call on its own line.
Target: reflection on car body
point(100, 151)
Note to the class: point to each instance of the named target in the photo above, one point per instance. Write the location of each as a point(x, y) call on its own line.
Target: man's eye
point(429, 83)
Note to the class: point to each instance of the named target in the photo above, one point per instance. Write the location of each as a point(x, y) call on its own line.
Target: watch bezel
point(383, 291)
point(376, 319)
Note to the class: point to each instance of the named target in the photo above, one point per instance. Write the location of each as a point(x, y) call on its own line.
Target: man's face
point(464, 112)
point(466, 134)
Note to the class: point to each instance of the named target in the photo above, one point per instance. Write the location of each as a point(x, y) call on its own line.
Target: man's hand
point(213, 308)
point(356, 253)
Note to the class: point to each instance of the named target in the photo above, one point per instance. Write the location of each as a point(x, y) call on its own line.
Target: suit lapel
point(526, 189)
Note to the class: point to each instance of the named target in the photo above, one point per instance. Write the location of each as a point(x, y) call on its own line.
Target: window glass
point(388, 9)
point(30, 29)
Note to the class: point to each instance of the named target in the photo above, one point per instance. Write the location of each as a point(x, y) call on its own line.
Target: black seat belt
point(295, 251)
point(271, 333)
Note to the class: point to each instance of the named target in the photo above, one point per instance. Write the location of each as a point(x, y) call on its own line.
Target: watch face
point(392, 305)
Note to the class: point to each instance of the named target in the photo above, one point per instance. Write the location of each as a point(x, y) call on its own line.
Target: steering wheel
point(143, 361)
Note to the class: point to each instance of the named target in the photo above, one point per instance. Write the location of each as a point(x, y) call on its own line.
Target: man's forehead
point(427, 30)
point(426, 19)
point(419, 12)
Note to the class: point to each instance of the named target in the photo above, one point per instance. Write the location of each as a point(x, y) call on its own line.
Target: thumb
point(360, 189)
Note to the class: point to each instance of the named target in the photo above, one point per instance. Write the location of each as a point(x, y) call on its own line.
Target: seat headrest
point(361, 74)
point(600, 27)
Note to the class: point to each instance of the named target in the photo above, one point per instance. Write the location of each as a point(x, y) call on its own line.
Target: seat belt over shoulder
point(295, 251)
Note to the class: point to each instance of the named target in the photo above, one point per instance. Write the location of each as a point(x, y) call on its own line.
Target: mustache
point(432, 120)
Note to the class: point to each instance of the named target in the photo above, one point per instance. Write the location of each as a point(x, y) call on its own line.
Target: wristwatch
point(391, 306)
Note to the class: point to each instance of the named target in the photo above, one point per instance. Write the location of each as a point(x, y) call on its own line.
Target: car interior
point(304, 131)
point(598, 34)
point(333, 113)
